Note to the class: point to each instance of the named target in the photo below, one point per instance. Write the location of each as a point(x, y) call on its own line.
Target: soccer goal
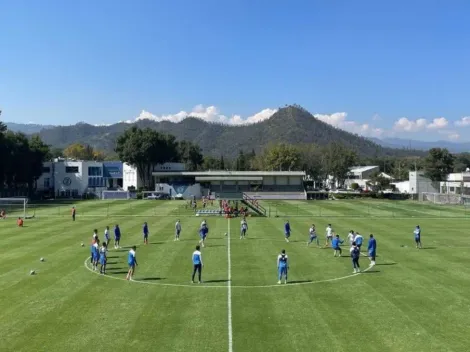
point(14, 207)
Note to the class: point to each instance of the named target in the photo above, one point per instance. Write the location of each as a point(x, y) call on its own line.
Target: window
point(95, 182)
point(47, 182)
point(94, 171)
point(46, 169)
point(452, 189)
point(74, 193)
point(71, 169)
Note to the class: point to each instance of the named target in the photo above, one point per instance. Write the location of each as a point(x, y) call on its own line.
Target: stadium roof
point(242, 174)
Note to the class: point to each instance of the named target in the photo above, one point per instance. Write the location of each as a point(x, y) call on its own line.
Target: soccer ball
point(226, 234)
point(42, 259)
point(32, 272)
point(82, 244)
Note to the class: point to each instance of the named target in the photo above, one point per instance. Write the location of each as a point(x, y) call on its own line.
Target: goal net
point(14, 207)
point(115, 195)
point(444, 198)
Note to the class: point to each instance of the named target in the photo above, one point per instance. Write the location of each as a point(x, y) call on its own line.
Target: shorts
point(337, 248)
point(131, 265)
point(146, 235)
point(117, 238)
point(178, 232)
point(203, 237)
point(96, 257)
point(372, 254)
point(287, 234)
point(103, 261)
point(417, 239)
point(312, 238)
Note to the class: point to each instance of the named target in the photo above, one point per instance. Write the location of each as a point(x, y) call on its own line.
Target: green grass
point(411, 301)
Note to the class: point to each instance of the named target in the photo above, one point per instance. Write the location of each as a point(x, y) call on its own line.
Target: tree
point(191, 155)
point(222, 163)
point(310, 159)
point(144, 148)
point(242, 163)
point(462, 162)
point(83, 152)
point(22, 161)
point(337, 161)
point(210, 163)
point(378, 182)
point(354, 186)
point(438, 164)
point(280, 157)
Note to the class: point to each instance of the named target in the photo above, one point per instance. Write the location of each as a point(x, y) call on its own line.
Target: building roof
point(228, 178)
point(229, 173)
point(360, 169)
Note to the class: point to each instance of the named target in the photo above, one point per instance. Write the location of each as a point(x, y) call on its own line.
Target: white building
point(131, 177)
point(360, 175)
point(416, 184)
point(71, 178)
point(457, 183)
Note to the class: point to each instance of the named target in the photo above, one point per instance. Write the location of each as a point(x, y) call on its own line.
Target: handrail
point(247, 198)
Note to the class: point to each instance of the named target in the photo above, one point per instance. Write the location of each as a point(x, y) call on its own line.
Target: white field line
point(229, 292)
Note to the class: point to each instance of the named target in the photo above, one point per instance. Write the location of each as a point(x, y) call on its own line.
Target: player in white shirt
point(313, 236)
point(351, 237)
point(243, 228)
point(177, 230)
point(329, 235)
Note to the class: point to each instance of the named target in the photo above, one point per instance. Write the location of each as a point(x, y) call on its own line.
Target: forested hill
point(293, 125)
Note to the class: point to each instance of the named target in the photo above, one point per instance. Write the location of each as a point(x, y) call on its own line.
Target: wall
point(46, 181)
point(169, 167)
point(187, 191)
point(402, 187)
point(420, 184)
point(130, 177)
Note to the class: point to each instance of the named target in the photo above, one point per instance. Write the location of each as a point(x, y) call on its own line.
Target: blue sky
point(379, 68)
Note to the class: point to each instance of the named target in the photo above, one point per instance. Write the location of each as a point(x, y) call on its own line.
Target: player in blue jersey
point(103, 258)
point(117, 237)
point(95, 250)
point(287, 230)
point(372, 249)
point(282, 266)
point(203, 231)
point(243, 229)
point(417, 233)
point(107, 239)
point(336, 245)
point(313, 236)
point(132, 262)
point(177, 230)
point(197, 264)
point(355, 255)
point(145, 232)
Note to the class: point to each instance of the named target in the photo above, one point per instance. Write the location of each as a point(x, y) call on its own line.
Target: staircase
point(253, 205)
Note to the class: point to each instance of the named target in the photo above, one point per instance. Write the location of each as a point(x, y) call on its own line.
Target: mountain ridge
point(291, 124)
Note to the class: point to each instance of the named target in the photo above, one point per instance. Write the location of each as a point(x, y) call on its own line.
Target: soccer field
point(413, 300)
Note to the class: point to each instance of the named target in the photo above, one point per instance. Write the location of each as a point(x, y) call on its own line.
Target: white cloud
point(438, 123)
point(403, 124)
point(209, 114)
point(339, 119)
point(453, 136)
point(406, 125)
point(464, 121)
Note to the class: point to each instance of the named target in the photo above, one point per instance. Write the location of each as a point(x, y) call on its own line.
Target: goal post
point(14, 207)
